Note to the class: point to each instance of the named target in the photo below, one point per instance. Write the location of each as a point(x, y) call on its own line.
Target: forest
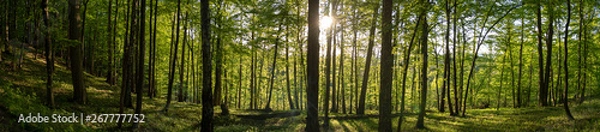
point(300, 65)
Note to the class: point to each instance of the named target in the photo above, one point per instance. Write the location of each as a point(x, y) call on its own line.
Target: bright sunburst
point(325, 22)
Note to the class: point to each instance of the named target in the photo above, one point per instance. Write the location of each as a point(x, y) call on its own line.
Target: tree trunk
point(387, 61)
point(542, 82)
point(79, 92)
point(424, 34)
point(174, 59)
point(312, 90)
point(565, 61)
point(140, 65)
point(207, 99)
point(363, 91)
point(110, 78)
point(49, 56)
point(405, 72)
point(287, 75)
point(519, 100)
point(273, 69)
point(544, 91)
point(447, 72)
point(182, 64)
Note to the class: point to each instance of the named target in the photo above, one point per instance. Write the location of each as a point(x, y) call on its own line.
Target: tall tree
point(424, 35)
point(174, 59)
point(543, 90)
point(405, 72)
point(49, 55)
point(268, 107)
point(566, 92)
point(79, 92)
point(549, 35)
point(110, 78)
point(519, 100)
point(312, 61)
point(328, 55)
point(207, 99)
point(140, 65)
point(363, 90)
point(287, 75)
point(182, 64)
point(387, 61)
point(446, 80)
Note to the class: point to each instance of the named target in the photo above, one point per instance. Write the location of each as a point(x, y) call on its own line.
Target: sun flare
point(325, 22)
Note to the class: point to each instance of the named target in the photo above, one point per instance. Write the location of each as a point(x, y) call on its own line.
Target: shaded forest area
point(303, 65)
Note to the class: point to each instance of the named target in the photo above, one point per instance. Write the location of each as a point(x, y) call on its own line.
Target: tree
point(424, 34)
point(549, 34)
point(207, 99)
point(140, 65)
point(268, 107)
point(405, 72)
point(566, 92)
point(363, 90)
point(287, 76)
point(79, 92)
point(174, 59)
point(110, 77)
point(519, 100)
point(49, 56)
point(387, 61)
point(312, 61)
point(543, 90)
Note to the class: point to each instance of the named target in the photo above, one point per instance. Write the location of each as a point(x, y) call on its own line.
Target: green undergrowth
point(23, 92)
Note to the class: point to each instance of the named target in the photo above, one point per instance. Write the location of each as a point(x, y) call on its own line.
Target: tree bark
point(387, 61)
point(49, 56)
point(363, 91)
point(287, 76)
point(79, 92)
point(424, 34)
point(565, 62)
point(140, 65)
point(273, 69)
point(207, 99)
point(542, 82)
point(405, 72)
point(549, 35)
point(174, 59)
point(312, 90)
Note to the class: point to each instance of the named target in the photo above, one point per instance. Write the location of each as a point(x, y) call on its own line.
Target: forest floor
point(23, 92)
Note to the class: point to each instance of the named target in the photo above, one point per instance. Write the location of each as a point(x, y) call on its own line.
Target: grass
point(23, 92)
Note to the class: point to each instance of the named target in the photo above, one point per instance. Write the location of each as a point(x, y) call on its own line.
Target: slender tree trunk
point(424, 35)
point(447, 71)
point(207, 99)
point(542, 82)
point(519, 100)
point(182, 64)
point(174, 60)
point(287, 75)
point(341, 73)
point(140, 65)
point(49, 56)
point(252, 78)
point(405, 72)
point(549, 35)
point(110, 78)
point(354, 61)
point(566, 93)
point(363, 91)
point(274, 69)
point(312, 90)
